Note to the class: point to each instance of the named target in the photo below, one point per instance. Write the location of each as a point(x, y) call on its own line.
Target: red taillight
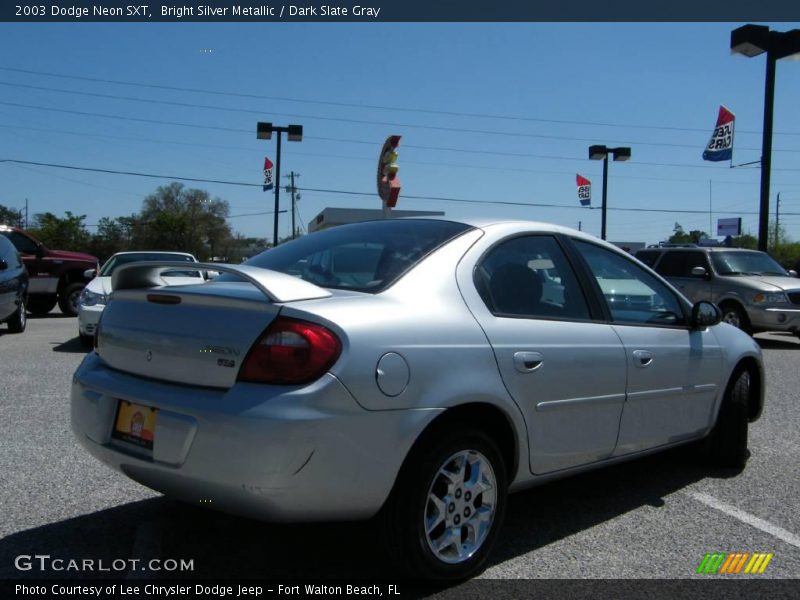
point(290, 352)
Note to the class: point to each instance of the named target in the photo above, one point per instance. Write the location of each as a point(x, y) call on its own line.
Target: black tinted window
point(529, 276)
point(648, 257)
point(366, 257)
point(679, 263)
point(22, 242)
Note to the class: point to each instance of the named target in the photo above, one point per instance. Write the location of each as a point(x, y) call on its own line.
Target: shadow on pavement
point(771, 343)
point(73, 346)
point(224, 546)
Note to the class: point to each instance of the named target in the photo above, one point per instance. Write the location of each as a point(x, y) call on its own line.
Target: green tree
point(112, 236)
point(177, 218)
point(68, 233)
point(750, 242)
point(679, 236)
point(10, 216)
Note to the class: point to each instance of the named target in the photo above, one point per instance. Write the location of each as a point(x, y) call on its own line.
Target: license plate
point(135, 424)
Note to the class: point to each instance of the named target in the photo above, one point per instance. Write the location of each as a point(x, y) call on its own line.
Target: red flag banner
point(268, 181)
point(584, 190)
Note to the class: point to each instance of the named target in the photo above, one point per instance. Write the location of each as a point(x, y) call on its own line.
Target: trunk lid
point(191, 334)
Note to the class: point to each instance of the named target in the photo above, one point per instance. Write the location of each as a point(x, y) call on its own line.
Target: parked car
point(55, 275)
point(422, 383)
point(13, 287)
point(94, 296)
point(754, 292)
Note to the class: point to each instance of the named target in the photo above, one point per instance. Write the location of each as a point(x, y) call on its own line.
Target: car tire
point(18, 321)
point(68, 298)
point(41, 305)
point(448, 505)
point(733, 314)
point(87, 341)
point(727, 443)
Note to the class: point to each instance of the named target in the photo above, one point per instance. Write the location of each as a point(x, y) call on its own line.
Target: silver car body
point(573, 394)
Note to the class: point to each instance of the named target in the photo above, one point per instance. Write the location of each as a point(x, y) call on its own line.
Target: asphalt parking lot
point(653, 518)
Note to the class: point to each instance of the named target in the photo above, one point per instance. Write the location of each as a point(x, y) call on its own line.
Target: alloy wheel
point(460, 507)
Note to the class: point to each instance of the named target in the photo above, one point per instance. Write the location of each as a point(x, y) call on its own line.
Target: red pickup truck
point(55, 275)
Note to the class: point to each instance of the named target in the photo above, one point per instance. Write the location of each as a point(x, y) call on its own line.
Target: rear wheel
point(41, 305)
point(18, 321)
point(68, 298)
point(727, 443)
point(448, 505)
point(735, 315)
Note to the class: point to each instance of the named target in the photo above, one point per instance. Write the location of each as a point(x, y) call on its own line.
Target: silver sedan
point(414, 369)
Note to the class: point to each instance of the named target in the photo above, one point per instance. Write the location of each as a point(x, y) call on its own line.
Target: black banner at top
point(400, 10)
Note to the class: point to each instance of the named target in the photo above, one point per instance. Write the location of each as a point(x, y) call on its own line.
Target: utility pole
point(26, 214)
point(777, 222)
point(291, 189)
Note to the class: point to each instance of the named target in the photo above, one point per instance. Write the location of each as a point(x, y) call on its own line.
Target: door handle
point(642, 358)
point(527, 362)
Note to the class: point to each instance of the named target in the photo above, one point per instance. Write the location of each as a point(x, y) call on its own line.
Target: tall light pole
point(601, 153)
point(294, 133)
point(752, 40)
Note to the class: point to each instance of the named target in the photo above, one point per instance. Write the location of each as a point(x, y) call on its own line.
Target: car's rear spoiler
point(276, 286)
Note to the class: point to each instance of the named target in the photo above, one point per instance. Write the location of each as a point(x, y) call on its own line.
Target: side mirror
point(698, 272)
point(3, 265)
point(705, 314)
point(40, 250)
point(792, 273)
point(89, 273)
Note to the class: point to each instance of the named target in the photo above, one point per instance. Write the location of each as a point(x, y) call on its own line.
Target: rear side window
point(365, 257)
point(529, 276)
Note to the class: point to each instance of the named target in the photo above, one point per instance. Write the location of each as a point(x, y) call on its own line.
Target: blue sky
point(560, 87)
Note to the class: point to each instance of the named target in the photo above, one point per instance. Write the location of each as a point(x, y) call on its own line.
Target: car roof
point(154, 252)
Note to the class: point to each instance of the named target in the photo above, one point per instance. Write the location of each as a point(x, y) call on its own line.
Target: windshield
point(366, 257)
point(122, 259)
point(746, 263)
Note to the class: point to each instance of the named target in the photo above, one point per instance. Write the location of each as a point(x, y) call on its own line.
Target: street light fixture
point(601, 153)
point(752, 40)
point(294, 133)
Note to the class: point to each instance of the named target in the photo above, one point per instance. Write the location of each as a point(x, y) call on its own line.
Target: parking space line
point(745, 517)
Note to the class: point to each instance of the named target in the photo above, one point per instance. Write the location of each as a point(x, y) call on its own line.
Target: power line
point(355, 193)
point(367, 106)
point(514, 134)
point(344, 140)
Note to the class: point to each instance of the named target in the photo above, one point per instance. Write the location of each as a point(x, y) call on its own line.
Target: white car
point(94, 296)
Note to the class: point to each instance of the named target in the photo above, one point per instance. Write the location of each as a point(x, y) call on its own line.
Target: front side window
point(530, 277)
point(633, 295)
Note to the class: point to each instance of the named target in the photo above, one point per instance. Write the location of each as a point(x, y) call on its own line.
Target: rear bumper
point(270, 452)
